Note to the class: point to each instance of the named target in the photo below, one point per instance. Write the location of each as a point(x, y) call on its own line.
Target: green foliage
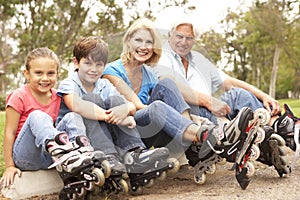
point(252, 37)
point(2, 102)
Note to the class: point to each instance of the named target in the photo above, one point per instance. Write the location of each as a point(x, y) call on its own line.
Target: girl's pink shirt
point(24, 103)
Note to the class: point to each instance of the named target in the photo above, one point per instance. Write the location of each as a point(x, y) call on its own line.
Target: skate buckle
point(214, 150)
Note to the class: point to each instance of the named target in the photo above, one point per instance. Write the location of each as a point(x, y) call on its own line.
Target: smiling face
point(141, 45)
point(89, 71)
point(41, 75)
point(182, 39)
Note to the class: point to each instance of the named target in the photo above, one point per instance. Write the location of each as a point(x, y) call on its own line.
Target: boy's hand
point(117, 114)
point(9, 176)
point(129, 122)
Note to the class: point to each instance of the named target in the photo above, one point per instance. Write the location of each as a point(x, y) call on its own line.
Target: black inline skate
point(232, 141)
point(272, 151)
point(115, 183)
point(285, 124)
point(143, 166)
point(75, 163)
point(288, 126)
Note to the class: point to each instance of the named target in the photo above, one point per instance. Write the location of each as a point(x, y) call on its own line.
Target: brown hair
point(41, 52)
point(146, 24)
point(91, 47)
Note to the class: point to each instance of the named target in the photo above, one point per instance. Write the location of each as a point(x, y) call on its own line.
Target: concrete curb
point(33, 183)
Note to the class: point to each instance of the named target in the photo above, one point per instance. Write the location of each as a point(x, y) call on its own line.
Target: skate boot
point(284, 125)
point(232, 141)
point(272, 151)
point(115, 183)
point(143, 166)
point(287, 126)
point(74, 162)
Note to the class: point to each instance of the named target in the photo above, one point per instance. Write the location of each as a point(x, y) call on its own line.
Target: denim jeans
point(29, 152)
point(167, 91)
point(236, 98)
point(161, 123)
point(109, 138)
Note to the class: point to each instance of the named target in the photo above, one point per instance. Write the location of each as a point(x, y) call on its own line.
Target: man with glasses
point(200, 81)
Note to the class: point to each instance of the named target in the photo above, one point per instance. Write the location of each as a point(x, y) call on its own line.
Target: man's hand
point(218, 107)
point(271, 105)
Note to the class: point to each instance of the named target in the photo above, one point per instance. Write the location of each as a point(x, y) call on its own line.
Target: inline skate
point(75, 163)
point(115, 183)
point(288, 126)
point(143, 166)
point(232, 141)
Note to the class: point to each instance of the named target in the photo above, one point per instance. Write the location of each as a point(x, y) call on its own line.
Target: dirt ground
point(265, 184)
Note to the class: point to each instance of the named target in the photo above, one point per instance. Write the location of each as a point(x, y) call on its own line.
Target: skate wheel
point(211, 169)
point(254, 152)
point(106, 168)
point(100, 179)
point(263, 115)
point(162, 176)
point(280, 140)
point(260, 135)
point(82, 192)
point(150, 183)
point(176, 165)
point(250, 168)
point(90, 187)
point(137, 191)
point(223, 161)
point(124, 186)
point(200, 180)
point(72, 196)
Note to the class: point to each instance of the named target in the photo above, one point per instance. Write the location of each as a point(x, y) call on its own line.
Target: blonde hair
point(145, 24)
point(42, 52)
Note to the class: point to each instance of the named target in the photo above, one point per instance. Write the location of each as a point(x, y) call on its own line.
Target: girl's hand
point(9, 176)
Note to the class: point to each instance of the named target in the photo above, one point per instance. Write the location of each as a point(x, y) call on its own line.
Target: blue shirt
point(73, 85)
point(149, 80)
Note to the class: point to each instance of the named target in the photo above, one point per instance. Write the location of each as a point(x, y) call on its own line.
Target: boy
point(107, 116)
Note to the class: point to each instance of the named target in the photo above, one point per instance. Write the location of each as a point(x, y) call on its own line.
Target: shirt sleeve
point(16, 101)
point(68, 86)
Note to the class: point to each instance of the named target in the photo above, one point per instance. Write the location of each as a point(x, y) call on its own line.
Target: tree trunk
point(272, 89)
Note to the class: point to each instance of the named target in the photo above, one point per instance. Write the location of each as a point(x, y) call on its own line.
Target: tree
point(260, 40)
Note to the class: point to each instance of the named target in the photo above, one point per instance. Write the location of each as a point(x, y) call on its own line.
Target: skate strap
point(63, 158)
point(289, 113)
point(296, 139)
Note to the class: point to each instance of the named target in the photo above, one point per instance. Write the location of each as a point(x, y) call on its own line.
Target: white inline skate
point(238, 137)
point(75, 163)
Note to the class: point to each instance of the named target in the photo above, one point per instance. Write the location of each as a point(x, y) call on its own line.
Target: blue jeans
point(236, 98)
point(161, 123)
point(29, 152)
point(109, 138)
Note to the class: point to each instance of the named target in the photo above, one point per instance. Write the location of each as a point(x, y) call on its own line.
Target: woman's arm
point(125, 90)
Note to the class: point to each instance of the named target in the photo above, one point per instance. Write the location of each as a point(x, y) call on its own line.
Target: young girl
point(31, 111)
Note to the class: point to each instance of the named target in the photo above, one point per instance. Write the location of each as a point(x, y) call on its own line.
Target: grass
point(294, 105)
